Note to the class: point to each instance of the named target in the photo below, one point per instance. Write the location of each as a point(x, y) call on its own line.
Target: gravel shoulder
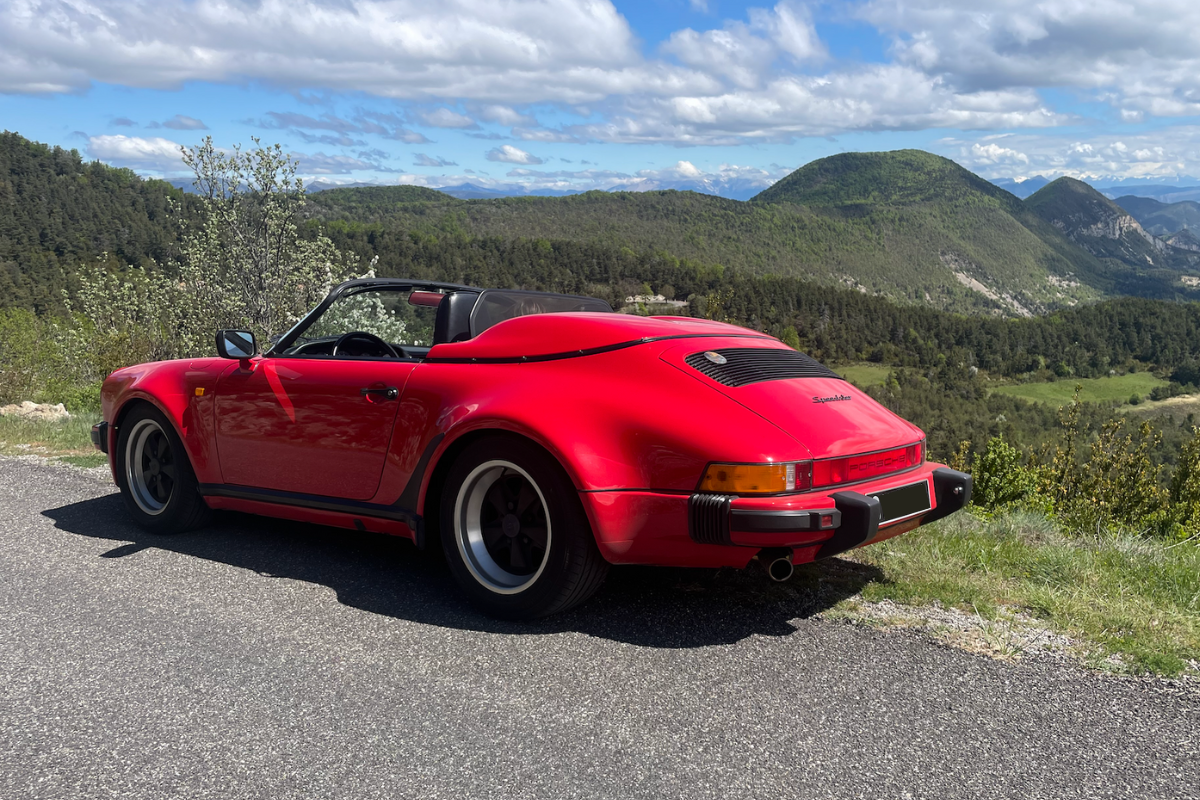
point(268, 659)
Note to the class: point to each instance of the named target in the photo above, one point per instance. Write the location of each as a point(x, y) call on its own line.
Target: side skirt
point(317, 502)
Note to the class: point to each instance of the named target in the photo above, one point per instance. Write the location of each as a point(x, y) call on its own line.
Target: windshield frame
point(351, 288)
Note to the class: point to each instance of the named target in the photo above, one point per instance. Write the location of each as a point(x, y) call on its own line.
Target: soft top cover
point(550, 334)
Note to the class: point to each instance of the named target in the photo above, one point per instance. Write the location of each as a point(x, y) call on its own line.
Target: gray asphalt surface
point(274, 660)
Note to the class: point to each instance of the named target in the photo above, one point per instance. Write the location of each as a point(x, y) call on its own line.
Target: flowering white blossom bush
point(368, 312)
point(243, 264)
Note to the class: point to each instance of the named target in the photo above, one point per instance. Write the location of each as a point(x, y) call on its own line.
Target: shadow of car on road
point(647, 606)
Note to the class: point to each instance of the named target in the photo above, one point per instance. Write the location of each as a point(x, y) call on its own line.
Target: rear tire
point(157, 483)
point(514, 532)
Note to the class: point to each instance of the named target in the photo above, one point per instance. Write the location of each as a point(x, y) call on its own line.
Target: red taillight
point(832, 471)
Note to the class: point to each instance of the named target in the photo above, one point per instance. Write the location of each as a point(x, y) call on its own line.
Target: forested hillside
point(909, 226)
point(907, 252)
point(876, 215)
point(56, 211)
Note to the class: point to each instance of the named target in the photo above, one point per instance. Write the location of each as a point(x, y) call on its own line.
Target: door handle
point(388, 392)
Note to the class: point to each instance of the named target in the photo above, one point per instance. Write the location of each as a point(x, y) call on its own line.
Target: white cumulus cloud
point(1161, 154)
point(993, 153)
point(154, 154)
point(1142, 56)
point(512, 155)
point(564, 50)
point(743, 52)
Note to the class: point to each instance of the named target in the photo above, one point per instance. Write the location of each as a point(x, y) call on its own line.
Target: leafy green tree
point(1185, 485)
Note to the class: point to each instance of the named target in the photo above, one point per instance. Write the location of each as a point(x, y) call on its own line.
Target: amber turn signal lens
point(756, 478)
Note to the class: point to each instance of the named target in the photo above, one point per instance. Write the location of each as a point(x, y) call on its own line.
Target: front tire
point(157, 483)
point(514, 532)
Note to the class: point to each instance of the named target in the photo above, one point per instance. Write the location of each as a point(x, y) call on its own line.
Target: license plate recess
point(903, 501)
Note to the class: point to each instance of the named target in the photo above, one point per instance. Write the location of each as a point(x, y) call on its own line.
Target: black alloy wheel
point(157, 483)
point(514, 531)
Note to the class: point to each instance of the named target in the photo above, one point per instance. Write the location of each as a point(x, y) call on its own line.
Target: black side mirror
point(236, 344)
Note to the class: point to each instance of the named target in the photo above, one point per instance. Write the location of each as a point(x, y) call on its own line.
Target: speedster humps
point(537, 438)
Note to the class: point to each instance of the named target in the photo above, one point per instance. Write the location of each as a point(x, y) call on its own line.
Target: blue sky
point(577, 94)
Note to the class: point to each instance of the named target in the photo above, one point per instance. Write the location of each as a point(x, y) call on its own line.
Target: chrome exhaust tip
point(781, 569)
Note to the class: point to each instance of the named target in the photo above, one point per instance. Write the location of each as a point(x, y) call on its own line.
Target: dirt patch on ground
point(1013, 635)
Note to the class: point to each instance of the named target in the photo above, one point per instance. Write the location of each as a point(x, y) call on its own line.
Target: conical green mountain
point(899, 177)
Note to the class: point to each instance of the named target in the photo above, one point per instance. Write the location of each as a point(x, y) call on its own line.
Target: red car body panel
point(608, 395)
point(300, 425)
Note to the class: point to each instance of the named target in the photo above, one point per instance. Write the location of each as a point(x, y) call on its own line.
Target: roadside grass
point(68, 440)
point(1115, 388)
point(1123, 595)
point(864, 374)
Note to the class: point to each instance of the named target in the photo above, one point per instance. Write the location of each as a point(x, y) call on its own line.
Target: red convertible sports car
point(538, 437)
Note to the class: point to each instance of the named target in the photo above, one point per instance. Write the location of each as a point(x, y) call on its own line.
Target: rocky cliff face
point(1117, 226)
point(1100, 226)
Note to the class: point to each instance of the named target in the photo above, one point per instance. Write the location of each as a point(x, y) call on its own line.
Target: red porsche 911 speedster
point(539, 437)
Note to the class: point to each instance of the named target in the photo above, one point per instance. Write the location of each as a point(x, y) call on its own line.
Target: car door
point(314, 426)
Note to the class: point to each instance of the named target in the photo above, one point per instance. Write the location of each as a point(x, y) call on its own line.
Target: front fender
point(183, 390)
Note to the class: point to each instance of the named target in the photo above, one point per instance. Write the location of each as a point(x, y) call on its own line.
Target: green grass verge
point(89, 460)
point(864, 374)
point(70, 437)
point(1117, 388)
point(1137, 598)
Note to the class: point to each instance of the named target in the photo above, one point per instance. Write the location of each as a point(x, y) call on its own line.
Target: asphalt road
point(272, 660)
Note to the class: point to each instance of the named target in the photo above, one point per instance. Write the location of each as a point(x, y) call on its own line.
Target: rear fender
point(621, 420)
point(450, 444)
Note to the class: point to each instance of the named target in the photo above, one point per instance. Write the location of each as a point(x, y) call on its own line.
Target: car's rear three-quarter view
point(536, 438)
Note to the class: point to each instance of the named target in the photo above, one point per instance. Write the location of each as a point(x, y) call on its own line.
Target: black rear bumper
point(952, 490)
point(854, 521)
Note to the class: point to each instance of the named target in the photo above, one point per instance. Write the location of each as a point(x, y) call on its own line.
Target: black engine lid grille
point(746, 365)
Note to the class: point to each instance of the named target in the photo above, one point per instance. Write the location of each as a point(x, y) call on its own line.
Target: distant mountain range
point(732, 188)
point(906, 225)
point(1159, 218)
point(1022, 188)
point(746, 188)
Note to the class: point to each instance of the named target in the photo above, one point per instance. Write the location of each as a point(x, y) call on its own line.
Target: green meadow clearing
point(864, 374)
point(1113, 389)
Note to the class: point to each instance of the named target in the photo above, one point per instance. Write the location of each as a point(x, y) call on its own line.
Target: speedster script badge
point(837, 398)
